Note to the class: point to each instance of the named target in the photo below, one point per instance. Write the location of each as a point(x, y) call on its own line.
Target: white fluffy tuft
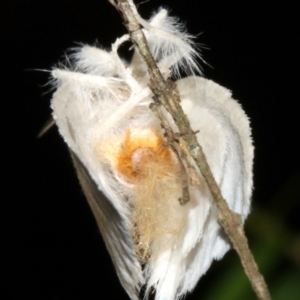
point(171, 45)
point(93, 60)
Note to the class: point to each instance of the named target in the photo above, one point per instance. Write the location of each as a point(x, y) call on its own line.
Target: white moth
point(101, 107)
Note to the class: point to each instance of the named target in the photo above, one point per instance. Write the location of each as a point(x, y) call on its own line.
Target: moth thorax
point(140, 157)
point(146, 161)
point(144, 153)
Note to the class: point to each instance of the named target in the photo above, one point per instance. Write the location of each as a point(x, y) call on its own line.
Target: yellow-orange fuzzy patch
point(157, 217)
point(138, 150)
point(152, 170)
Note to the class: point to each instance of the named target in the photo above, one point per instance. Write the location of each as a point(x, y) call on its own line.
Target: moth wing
point(113, 230)
point(225, 136)
point(203, 96)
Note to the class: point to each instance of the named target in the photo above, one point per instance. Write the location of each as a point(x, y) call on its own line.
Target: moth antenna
point(171, 45)
point(105, 84)
point(94, 60)
point(91, 88)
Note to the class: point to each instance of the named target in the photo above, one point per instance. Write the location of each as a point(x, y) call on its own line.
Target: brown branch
point(166, 93)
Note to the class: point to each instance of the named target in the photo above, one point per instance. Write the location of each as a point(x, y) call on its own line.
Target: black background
point(53, 248)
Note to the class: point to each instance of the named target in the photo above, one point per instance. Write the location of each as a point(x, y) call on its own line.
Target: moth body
point(101, 108)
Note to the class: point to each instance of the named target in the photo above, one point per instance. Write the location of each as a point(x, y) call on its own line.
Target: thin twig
point(166, 93)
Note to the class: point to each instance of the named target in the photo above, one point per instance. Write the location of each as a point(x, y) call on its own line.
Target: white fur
point(101, 98)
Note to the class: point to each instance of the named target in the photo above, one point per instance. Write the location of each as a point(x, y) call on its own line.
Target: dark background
point(52, 246)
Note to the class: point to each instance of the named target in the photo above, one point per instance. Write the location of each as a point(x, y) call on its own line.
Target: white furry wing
point(78, 113)
point(224, 134)
point(113, 230)
point(202, 97)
